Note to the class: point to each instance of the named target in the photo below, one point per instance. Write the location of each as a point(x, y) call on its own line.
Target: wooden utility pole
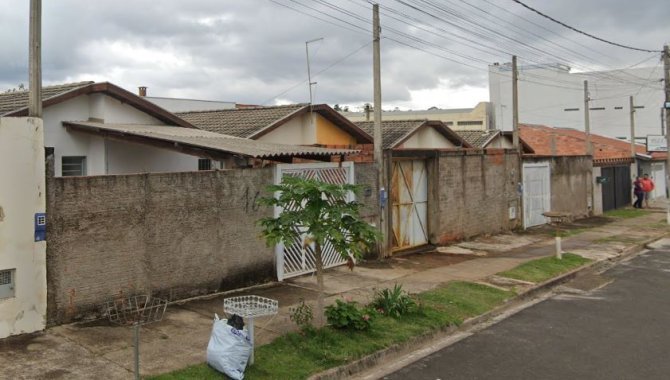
point(377, 135)
point(35, 64)
point(515, 104)
point(632, 127)
point(587, 121)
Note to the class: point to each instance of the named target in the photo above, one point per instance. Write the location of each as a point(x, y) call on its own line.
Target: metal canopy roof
point(201, 143)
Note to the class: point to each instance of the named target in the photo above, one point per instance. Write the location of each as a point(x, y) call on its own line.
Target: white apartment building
point(553, 95)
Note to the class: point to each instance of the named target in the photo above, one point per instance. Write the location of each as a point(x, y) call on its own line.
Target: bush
point(393, 302)
point(347, 315)
point(302, 316)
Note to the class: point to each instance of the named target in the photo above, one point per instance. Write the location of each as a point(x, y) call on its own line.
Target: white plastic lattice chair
point(250, 307)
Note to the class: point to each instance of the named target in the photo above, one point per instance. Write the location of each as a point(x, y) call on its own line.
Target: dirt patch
point(21, 343)
point(422, 261)
point(56, 374)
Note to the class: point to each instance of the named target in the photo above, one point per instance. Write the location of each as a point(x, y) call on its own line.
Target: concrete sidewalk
point(99, 350)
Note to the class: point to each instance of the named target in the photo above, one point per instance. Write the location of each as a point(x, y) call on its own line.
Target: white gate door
point(658, 176)
point(536, 193)
point(295, 259)
point(409, 199)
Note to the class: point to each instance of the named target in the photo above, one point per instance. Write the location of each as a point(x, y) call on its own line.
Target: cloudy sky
point(434, 52)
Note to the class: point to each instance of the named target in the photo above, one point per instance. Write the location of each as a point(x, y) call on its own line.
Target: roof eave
point(117, 93)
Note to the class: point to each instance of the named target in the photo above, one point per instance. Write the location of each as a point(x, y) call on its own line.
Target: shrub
point(302, 315)
point(393, 302)
point(347, 315)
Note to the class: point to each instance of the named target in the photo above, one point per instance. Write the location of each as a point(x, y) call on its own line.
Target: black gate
point(616, 189)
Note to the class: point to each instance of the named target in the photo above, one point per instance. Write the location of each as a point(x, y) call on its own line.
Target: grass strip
point(626, 213)
point(297, 356)
point(543, 269)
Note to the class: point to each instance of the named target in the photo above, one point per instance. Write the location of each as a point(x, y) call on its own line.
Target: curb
point(414, 343)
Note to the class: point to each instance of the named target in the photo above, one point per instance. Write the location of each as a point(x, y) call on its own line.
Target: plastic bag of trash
point(229, 349)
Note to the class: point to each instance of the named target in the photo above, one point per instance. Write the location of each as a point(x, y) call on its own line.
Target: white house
point(553, 95)
point(100, 128)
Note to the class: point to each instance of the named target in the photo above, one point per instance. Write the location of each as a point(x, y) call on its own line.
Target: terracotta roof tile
point(571, 142)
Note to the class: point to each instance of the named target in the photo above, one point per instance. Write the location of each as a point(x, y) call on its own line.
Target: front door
point(409, 200)
point(536, 193)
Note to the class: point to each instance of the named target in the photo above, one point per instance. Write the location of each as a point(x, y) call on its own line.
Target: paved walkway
point(98, 350)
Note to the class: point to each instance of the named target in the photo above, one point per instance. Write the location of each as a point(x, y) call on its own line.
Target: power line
point(582, 32)
point(487, 34)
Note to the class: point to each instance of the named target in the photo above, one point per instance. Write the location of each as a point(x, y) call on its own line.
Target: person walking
point(647, 186)
point(639, 193)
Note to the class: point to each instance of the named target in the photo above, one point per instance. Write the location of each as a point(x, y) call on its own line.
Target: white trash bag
point(229, 349)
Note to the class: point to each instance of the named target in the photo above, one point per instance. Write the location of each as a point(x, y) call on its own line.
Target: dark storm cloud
point(251, 51)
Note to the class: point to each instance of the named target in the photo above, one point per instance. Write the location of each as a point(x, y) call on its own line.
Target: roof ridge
point(300, 105)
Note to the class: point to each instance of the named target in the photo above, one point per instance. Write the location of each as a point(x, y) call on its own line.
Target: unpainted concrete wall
point(571, 178)
point(473, 194)
point(173, 234)
point(176, 234)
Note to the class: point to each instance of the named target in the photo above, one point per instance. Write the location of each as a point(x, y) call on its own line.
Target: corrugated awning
point(192, 141)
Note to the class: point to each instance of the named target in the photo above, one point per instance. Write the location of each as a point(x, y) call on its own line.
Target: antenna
point(309, 74)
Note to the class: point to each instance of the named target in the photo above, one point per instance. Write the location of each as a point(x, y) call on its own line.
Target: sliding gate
point(296, 259)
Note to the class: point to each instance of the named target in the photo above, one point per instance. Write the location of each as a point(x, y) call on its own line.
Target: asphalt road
point(618, 331)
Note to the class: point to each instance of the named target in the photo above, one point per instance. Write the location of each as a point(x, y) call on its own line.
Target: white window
point(7, 283)
point(73, 166)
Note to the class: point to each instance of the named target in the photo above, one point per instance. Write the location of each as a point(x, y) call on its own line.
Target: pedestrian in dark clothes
point(639, 192)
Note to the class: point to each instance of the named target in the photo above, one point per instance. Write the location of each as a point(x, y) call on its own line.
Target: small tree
point(320, 213)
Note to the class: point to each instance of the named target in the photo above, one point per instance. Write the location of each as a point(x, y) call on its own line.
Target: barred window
point(73, 166)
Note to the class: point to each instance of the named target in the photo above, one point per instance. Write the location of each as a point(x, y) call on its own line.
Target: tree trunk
point(319, 279)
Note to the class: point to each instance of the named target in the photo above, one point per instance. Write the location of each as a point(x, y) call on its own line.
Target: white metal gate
point(295, 259)
point(536, 193)
point(658, 176)
point(409, 199)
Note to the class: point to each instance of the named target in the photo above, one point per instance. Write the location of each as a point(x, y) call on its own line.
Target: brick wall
point(176, 234)
point(473, 194)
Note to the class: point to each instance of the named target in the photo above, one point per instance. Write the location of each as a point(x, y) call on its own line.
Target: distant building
point(471, 119)
point(553, 95)
point(184, 105)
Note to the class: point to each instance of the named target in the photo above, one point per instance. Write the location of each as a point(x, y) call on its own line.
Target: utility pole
point(632, 127)
point(35, 63)
point(587, 121)
point(377, 135)
point(515, 104)
point(666, 83)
